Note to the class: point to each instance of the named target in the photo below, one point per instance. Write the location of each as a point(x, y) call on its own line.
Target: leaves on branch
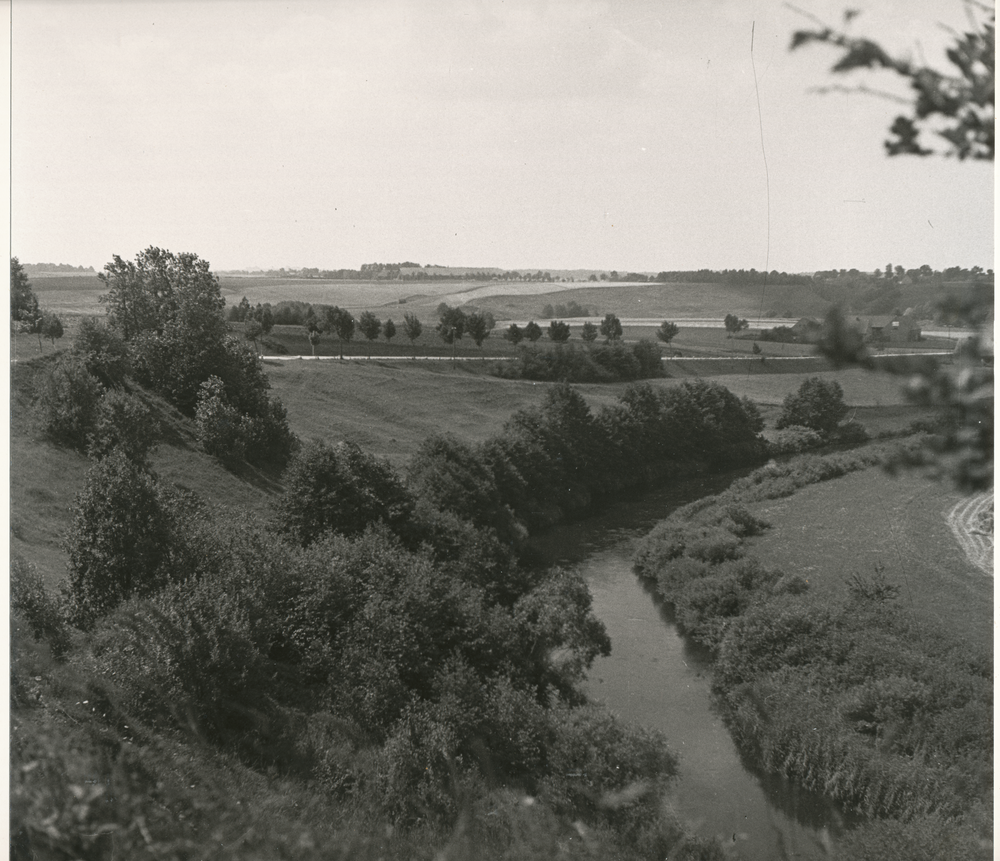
point(957, 106)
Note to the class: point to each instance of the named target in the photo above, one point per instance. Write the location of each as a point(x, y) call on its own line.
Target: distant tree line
point(37, 268)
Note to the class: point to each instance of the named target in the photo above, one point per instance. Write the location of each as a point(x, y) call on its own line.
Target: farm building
point(808, 330)
point(898, 329)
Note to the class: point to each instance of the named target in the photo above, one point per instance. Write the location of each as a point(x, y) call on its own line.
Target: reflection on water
point(655, 678)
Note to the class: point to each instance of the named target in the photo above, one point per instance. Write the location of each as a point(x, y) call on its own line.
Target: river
point(654, 677)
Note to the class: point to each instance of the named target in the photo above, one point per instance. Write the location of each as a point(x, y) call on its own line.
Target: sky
point(622, 134)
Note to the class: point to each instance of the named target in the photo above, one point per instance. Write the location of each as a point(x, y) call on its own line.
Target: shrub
point(123, 422)
point(605, 769)
point(120, 540)
point(339, 489)
point(68, 402)
point(818, 404)
point(455, 477)
point(102, 351)
point(219, 424)
point(43, 614)
point(793, 439)
point(261, 435)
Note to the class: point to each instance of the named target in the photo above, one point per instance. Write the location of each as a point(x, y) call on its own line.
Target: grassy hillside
point(829, 531)
point(45, 478)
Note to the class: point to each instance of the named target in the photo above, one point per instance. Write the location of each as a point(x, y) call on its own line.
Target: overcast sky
point(616, 135)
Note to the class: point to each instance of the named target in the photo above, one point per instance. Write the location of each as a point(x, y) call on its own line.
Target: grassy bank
point(862, 671)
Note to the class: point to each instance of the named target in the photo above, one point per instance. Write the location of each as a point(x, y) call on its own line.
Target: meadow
point(827, 532)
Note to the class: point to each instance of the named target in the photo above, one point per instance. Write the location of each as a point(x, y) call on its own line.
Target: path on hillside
point(971, 521)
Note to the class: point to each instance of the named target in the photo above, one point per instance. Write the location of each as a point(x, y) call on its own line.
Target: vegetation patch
point(852, 696)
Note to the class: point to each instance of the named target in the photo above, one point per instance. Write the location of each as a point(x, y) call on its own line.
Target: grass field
point(387, 408)
point(829, 531)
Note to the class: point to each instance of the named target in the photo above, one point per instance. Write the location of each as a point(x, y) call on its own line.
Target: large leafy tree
point(341, 323)
point(956, 104)
point(734, 324)
point(371, 328)
point(818, 404)
point(667, 331)
point(23, 302)
point(451, 326)
point(339, 489)
point(479, 325)
point(413, 328)
point(559, 331)
point(611, 328)
point(120, 541)
point(532, 331)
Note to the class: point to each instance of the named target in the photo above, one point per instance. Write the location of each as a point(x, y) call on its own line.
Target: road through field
point(730, 358)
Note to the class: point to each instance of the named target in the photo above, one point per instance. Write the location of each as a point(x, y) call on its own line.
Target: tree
point(558, 332)
point(389, 330)
point(119, 543)
point(734, 324)
point(611, 327)
point(123, 423)
point(667, 331)
point(339, 489)
point(371, 328)
point(479, 325)
point(68, 399)
point(23, 302)
point(51, 327)
point(818, 405)
point(532, 331)
point(513, 334)
point(412, 327)
point(341, 323)
point(957, 105)
point(451, 326)
point(102, 350)
point(589, 333)
point(241, 311)
point(263, 315)
point(313, 333)
point(252, 329)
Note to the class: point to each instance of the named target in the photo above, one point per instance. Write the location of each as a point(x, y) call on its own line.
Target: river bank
point(655, 677)
point(858, 698)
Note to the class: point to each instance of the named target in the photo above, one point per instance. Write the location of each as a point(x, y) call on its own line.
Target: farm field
point(829, 531)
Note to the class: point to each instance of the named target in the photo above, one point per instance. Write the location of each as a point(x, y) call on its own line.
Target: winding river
point(654, 677)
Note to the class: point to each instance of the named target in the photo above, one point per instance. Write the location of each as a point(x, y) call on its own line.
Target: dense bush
point(123, 422)
point(121, 539)
point(339, 489)
point(454, 477)
point(793, 440)
point(218, 423)
point(103, 351)
point(168, 310)
point(43, 615)
point(603, 363)
point(68, 400)
point(818, 404)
